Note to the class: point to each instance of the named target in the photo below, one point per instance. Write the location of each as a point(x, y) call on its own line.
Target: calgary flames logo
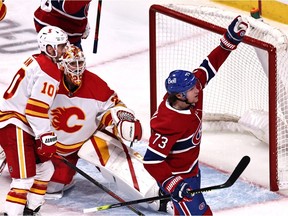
point(61, 116)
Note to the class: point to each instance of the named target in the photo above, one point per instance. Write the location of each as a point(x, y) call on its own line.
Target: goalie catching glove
point(46, 147)
point(234, 34)
point(128, 127)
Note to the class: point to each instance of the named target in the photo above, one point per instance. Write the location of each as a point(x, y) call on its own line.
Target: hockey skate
point(58, 194)
point(166, 204)
point(29, 212)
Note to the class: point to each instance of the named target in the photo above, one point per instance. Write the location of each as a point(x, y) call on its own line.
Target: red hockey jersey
point(76, 116)
point(69, 15)
point(27, 100)
point(175, 141)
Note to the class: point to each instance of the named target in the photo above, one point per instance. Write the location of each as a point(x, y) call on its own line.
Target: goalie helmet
point(53, 36)
point(180, 81)
point(73, 63)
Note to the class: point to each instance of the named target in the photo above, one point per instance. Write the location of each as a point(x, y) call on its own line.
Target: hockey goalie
point(85, 104)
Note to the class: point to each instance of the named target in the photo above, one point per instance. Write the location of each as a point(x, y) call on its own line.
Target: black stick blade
point(238, 170)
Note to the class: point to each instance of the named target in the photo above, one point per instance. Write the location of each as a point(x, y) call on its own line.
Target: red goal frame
point(271, 50)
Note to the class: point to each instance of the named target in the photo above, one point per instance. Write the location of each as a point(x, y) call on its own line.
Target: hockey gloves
point(46, 147)
point(178, 188)
point(234, 34)
point(128, 127)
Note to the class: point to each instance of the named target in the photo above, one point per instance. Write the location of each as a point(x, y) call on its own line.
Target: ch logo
point(197, 135)
point(62, 117)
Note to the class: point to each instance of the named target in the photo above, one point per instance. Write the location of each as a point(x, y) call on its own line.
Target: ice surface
point(123, 61)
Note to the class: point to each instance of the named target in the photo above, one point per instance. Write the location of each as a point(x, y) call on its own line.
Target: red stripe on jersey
point(37, 108)
point(17, 196)
point(7, 115)
point(65, 149)
point(39, 187)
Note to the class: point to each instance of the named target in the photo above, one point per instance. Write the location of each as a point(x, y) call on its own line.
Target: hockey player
point(173, 151)
point(83, 106)
point(25, 130)
point(69, 15)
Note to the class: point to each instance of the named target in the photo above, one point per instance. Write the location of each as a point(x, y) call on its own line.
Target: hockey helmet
point(180, 81)
point(53, 36)
point(74, 63)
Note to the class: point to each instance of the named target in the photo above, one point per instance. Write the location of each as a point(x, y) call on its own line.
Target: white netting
point(242, 82)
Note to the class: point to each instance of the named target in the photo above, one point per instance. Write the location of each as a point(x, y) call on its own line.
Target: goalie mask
point(73, 64)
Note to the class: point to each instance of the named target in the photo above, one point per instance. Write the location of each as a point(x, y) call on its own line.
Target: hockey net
point(251, 88)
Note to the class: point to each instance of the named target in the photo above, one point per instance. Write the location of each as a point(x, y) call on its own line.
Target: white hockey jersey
point(76, 116)
point(27, 100)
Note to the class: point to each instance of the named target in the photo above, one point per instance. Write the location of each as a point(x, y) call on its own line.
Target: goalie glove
point(127, 126)
point(46, 147)
point(234, 34)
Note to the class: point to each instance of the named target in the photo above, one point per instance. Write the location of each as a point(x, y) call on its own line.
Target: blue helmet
point(180, 81)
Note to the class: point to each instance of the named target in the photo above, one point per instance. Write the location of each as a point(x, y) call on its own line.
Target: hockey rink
point(122, 61)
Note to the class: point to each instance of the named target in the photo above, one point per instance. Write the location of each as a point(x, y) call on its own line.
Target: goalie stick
point(97, 26)
point(2, 165)
point(88, 177)
point(231, 180)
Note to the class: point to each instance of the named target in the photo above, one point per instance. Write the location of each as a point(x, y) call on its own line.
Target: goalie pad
point(121, 165)
point(128, 127)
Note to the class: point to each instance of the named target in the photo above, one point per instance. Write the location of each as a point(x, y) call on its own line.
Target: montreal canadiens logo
point(202, 206)
point(197, 135)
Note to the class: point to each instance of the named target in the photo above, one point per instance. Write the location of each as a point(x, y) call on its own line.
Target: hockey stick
point(88, 177)
point(95, 45)
point(231, 180)
point(2, 166)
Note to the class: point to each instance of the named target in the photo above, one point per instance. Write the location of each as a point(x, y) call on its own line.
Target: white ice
point(122, 60)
